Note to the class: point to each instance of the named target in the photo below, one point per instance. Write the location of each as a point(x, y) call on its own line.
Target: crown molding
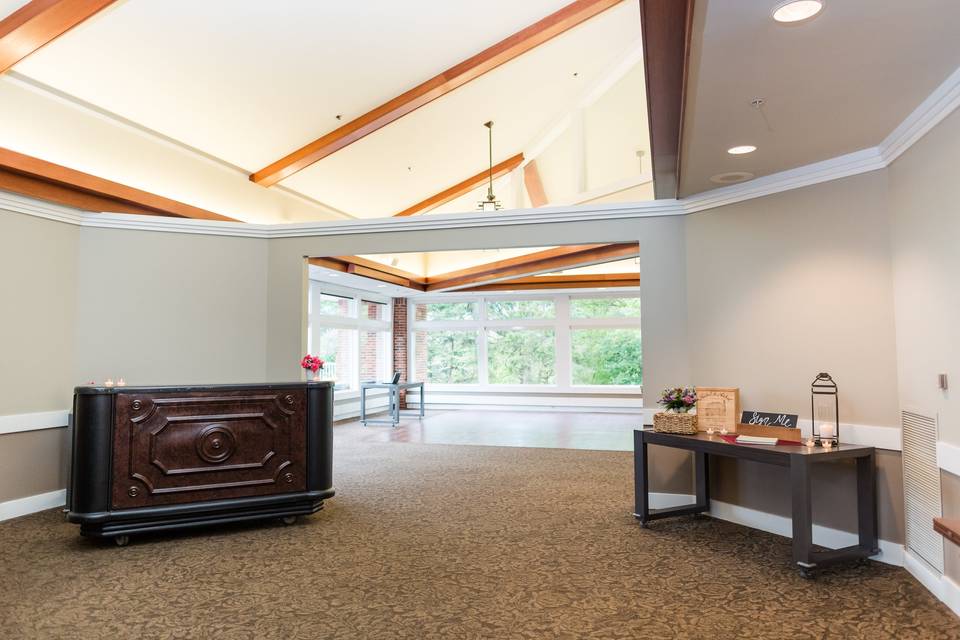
point(843, 166)
point(937, 106)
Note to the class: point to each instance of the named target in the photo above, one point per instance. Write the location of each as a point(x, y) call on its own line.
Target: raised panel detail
point(172, 447)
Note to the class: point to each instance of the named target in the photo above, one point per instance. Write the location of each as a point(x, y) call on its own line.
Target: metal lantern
point(825, 411)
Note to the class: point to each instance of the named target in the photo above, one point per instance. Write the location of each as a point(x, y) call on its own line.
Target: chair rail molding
point(948, 457)
point(16, 423)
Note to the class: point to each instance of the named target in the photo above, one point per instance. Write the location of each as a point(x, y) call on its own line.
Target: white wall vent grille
point(921, 487)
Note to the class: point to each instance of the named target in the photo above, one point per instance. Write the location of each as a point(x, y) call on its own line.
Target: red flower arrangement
point(312, 363)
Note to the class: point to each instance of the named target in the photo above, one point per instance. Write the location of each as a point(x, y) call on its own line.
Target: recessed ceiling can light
point(797, 10)
point(741, 149)
point(730, 177)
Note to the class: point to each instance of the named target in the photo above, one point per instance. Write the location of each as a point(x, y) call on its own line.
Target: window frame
point(352, 322)
point(562, 325)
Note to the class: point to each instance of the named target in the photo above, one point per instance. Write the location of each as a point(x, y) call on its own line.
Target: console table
point(157, 458)
point(799, 459)
point(394, 390)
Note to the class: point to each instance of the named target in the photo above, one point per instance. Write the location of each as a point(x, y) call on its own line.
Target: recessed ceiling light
point(741, 149)
point(731, 176)
point(797, 10)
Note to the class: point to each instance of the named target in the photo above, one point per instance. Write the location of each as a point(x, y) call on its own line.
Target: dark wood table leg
point(641, 497)
point(702, 469)
point(802, 514)
point(867, 503)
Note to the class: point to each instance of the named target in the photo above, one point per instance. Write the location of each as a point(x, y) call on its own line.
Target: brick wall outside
point(400, 343)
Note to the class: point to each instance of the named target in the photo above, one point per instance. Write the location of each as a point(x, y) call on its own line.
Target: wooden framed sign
point(718, 408)
point(770, 419)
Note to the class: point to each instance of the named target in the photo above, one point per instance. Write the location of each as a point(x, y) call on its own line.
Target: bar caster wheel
point(121, 541)
point(289, 520)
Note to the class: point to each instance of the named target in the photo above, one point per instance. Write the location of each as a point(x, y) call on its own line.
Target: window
point(447, 357)
point(446, 311)
point(352, 333)
point(519, 309)
point(332, 305)
point(335, 348)
point(605, 308)
point(606, 356)
point(521, 356)
point(565, 342)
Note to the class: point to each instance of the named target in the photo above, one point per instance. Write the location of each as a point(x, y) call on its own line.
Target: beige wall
point(925, 222)
point(162, 308)
point(38, 263)
point(783, 287)
point(38, 287)
point(924, 192)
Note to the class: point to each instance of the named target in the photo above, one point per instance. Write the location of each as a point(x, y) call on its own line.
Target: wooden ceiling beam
point(667, 26)
point(586, 281)
point(532, 264)
point(358, 266)
point(515, 45)
point(534, 185)
point(379, 266)
point(462, 188)
point(40, 22)
point(62, 185)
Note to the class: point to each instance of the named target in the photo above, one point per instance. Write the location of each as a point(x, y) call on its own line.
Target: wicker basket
point(685, 423)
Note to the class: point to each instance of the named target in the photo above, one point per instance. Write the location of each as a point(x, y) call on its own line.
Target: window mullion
point(564, 358)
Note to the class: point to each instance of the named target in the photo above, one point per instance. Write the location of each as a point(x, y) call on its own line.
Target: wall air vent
point(921, 487)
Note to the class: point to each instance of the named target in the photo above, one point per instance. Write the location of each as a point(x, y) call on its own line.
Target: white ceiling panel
point(444, 142)
point(250, 81)
point(838, 83)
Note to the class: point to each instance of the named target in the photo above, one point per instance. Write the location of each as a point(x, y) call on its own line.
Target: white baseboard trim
point(948, 457)
point(890, 552)
point(945, 589)
point(32, 504)
point(16, 423)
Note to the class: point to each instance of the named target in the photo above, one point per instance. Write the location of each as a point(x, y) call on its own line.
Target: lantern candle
point(826, 432)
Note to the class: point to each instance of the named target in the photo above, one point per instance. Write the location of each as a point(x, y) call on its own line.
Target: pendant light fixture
point(490, 203)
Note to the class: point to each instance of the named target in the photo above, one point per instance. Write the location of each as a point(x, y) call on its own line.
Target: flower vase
point(311, 375)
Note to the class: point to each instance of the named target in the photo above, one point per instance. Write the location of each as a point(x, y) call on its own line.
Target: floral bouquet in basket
point(311, 364)
point(678, 400)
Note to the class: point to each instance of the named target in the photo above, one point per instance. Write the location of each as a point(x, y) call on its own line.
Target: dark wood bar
point(158, 458)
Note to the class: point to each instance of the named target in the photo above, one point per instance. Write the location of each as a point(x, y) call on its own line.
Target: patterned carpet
point(435, 541)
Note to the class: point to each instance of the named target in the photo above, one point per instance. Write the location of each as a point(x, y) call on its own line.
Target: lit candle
point(710, 431)
point(108, 383)
point(826, 443)
point(811, 442)
point(827, 431)
point(723, 431)
point(121, 382)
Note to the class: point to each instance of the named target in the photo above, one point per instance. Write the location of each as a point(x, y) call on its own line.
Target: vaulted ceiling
point(186, 99)
point(300, 110)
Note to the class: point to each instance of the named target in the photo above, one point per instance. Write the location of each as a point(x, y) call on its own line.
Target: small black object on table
point(799, 459)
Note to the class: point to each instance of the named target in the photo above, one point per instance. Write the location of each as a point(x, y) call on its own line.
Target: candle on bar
point(826, 443)
point(121, 382)
point(723, 431)
point(827, 431)
point(108, 383)
point(810, 442)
